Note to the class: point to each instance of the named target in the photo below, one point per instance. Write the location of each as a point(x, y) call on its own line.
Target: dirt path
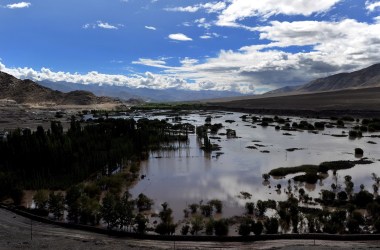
point(15, 233)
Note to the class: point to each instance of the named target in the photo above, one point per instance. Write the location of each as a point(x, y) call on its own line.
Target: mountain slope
point(27, 91)
point(363, 99)
point(364, 78)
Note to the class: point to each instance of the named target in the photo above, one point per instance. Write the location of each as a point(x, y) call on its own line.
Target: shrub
point(359, 151)
point(245, 227)
point(221, 227)
point(271, 226)
point(363, 198)
point(257, 228)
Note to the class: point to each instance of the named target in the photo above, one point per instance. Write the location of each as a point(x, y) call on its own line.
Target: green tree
point(249, 207)
point(166, 226)
point(363, 198)
point(108, 210)
point(72, 201)
point(221, 227)
point(125, 211)
point(140, 221)
point(41, 199)
point(197, 224)
point(89, 210)
point(245, 227)
point(206, 210)
point(271, 226)
point(257, 227)
point(210, 227)
point(217, 204)
point(56, 205)
point(144, 203)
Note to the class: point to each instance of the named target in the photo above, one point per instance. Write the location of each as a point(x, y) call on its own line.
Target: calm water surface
point(190, 175)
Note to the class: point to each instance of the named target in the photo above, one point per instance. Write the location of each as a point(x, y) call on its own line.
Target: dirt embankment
point(358, 102)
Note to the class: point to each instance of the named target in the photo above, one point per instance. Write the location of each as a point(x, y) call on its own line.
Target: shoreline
point(197, 238)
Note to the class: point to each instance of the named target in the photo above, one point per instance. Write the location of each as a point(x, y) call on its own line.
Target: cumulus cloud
point(150, 28)
point(146, 80)
point(372, 5)
point(242, 9)
point(102, 25)
point(179, 37)
point(18, 5)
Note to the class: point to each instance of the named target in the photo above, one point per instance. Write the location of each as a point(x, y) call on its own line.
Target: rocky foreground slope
point(29, 92)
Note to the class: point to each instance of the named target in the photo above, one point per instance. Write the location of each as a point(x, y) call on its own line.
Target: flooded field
point(190, 175)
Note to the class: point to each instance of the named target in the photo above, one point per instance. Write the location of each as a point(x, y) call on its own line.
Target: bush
point(221, 227)
point(377, 225)
point(354, 133)
point(185, 229)
point(363, 198)
point(271, 226)
point(249, 207)
point(310, 178)
point(257, 228)
point(359, 151)
point(245, 227)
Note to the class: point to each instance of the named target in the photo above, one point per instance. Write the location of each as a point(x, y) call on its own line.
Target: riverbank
point(18, 232)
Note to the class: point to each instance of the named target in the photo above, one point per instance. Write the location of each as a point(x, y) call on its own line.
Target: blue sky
point(236, 45)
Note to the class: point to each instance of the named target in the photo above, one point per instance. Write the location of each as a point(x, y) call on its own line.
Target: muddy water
point(190, 175)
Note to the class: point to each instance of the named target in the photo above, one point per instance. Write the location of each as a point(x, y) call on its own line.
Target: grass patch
point(294, 170)
point(311, 171)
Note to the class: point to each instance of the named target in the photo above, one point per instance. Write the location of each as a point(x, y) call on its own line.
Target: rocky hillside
point(27, 91)
point(365, 78)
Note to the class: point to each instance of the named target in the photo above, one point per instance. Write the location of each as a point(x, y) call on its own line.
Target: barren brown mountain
point(364, 78)
point(29, 92)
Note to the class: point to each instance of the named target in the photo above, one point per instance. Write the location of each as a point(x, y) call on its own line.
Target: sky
point(248, 46)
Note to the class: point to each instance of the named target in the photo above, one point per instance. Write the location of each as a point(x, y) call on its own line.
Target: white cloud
point(209, 35)
point(106, 25)
point(208, 7)
point(372, 5)
point(19, 5)
point(179, 37)
point(150, 28)
point(152, 63)
point(242, 9)
point(201, 22)
point(188, 61)
point(102, 25)
point(332, 47)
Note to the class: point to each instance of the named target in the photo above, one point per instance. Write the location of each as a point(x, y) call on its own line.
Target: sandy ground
point(17, 232)
point(362, 100)
point(30, 116)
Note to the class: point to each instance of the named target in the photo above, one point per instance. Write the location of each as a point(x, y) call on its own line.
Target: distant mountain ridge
point(29, 92)
point(364, 78)
point(146, 94)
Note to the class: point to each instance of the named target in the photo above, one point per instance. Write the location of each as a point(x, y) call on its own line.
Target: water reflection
point(185, 176)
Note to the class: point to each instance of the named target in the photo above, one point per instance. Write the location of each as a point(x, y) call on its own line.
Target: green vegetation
point(311, 171)
point(54, 159)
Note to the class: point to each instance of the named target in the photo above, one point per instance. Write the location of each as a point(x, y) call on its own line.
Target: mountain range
point(364, 78)
point(65, 93)
point(29, 92)
point(145, 94)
